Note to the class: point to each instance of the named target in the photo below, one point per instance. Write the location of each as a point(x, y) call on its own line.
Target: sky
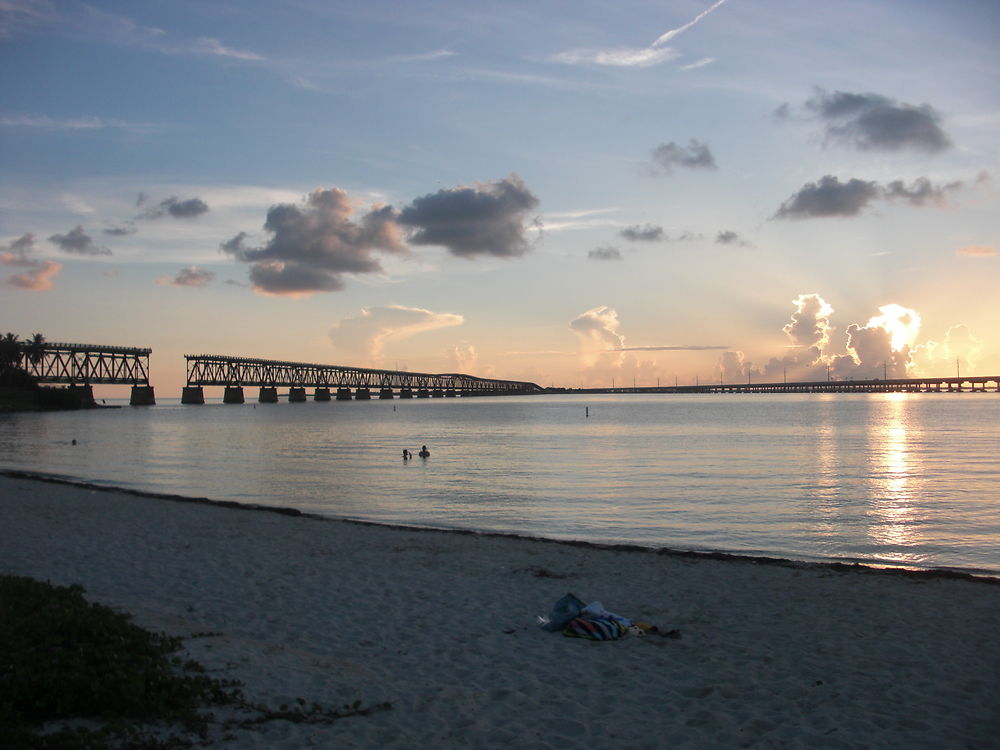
point(569, 193)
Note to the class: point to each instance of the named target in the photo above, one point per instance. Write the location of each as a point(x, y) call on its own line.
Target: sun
point(901, 323)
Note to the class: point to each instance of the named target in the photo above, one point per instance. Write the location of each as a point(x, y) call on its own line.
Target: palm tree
point(10, 350)
point(34, 348)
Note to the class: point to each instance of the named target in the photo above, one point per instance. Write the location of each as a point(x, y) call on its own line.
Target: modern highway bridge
point(896, 385)
point(330, 381)
point(82, 366)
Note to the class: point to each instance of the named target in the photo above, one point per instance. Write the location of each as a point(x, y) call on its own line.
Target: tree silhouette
point(10, 350)
point(34, 348)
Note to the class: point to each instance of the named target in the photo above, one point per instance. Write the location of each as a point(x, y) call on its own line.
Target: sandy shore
point(443, 626)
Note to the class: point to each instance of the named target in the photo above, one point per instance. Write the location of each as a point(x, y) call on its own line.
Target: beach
point(443, 625)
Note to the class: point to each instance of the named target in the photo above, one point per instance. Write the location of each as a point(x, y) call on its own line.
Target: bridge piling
point(296, 395)
point(142, 395)
point(268, 395)
point(193, 394)
point(233, 395)
point(322, 394)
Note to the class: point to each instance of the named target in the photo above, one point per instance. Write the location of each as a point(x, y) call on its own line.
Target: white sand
point(443, 626)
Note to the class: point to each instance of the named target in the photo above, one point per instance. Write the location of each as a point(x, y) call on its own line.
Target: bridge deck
point(897, 385)
point(216, 370)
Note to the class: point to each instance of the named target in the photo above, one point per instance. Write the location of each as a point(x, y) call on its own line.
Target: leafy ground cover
point(77, 675)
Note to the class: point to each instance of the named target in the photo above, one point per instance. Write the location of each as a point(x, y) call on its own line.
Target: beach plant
point(76, 675)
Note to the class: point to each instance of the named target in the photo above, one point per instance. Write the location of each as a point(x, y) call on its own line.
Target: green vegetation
point(19, 390)
point(63, 659)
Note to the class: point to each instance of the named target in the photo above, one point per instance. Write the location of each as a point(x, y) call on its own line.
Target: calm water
point(909, 479)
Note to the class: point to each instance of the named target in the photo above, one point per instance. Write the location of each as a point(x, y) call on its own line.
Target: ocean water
point(896, 479)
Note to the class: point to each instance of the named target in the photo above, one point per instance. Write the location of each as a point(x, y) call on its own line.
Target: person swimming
point(424, 453)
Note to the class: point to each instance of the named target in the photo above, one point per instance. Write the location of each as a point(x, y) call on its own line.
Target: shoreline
point(443, 625)
point(971, 574)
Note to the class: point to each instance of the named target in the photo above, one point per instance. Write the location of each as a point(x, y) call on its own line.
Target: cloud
point(605, 253)
point(174, 207)
point(43, 122)
point(669, 35)
point(18, 251)
point(212, 46)
point(597, 332)
point(635, 57)
point(696, 155)
point(829, 197)
point(122, 231)
point(883, 347)
point(977, 251)
point(729, 237)
point(78, 242)
point(36, 279)
point(313, 245)
point(960, 350)
point(871, 122)
point(619, 57)
point(699, 64)
point(463, 358)
point(365, 335)
point(920, 192)
point(810, 323)
point(481, 219)
point(191, 276)
point(692, 348)
point(647, 233)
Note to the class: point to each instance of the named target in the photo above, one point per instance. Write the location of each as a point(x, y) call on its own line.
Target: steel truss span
point(208, 369)
point(86, 364)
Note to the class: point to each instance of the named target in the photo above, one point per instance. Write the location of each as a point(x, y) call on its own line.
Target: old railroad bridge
point(330, 381)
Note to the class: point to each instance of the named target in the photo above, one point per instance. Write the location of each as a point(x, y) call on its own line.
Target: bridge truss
point(86, 364)
point(215, 370)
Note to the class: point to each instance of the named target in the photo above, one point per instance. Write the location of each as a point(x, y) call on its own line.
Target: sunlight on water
point(893, 478)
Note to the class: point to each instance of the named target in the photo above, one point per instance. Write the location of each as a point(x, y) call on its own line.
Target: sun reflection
point(893, 476)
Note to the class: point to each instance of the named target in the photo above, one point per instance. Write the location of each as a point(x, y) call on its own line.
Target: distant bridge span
point(954, 384)
point(235, 373)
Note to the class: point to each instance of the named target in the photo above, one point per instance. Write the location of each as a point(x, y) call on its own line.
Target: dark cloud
point(312, 245)
point(123, 231)
point(78, 242)
point(829, 197)
point(192, 276)
point(696, 155)
point(729, 237)
point(920, 192)
point(647, 233)
point(484, 219)
point(18, 251)
point(605, 253)
point(174, 207)
point(870, 122)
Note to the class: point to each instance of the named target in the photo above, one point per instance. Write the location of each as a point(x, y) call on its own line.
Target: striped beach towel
point(594, 628)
